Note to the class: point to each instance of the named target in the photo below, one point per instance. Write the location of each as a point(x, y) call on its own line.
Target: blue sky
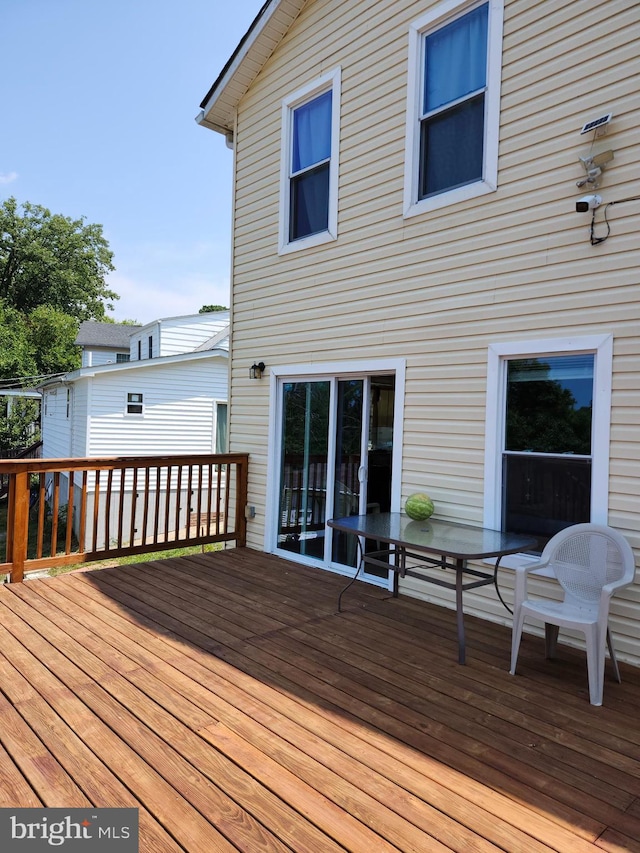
point(98, 104)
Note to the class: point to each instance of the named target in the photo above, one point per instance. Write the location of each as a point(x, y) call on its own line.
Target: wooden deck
point(224, 697)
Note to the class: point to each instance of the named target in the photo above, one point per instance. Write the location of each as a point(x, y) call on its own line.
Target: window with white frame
point(455, 56)
point(547, 453)
point(309, 174)
point(135, 404)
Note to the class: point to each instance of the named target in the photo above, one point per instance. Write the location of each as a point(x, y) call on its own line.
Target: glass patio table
point(413, 546)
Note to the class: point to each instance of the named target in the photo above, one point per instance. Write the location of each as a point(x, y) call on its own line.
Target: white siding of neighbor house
point(439, 288)
point(152, 330)
point(177, 335)
point(178, 409)
point(56, 426)
point(81, 401)
point(183, 334)
point(96, 357)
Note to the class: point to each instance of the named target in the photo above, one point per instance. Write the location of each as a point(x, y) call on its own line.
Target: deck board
point(225, 698)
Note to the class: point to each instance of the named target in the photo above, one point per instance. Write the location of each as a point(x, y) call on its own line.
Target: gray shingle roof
point(112, 335)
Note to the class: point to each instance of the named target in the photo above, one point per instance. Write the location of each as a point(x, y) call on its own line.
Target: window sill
point(515, 561)
point(307, 242)
point(445, 199)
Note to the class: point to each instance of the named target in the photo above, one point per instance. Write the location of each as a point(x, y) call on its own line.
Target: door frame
point(313, 372)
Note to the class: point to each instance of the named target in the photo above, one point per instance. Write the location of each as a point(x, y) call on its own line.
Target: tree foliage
point(49, 259)
point(52, 276)
point(18, 428)
point(207, 309)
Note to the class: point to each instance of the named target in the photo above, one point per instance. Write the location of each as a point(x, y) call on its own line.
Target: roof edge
point(236, 60)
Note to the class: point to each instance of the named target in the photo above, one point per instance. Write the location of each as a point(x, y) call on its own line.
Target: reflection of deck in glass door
point(334, 461)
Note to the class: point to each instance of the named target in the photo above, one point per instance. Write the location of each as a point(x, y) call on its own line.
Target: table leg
point(359, 564)
point(460, 612)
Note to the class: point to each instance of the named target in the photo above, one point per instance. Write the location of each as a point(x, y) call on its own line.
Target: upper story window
point(121, 357)
point(139, 350)
point(150, 346)
point(453, 104)
point(309, 176)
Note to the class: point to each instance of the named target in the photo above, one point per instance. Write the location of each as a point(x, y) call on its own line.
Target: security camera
point(588, 202)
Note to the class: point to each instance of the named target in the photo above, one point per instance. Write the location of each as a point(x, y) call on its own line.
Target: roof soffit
point(255, 48)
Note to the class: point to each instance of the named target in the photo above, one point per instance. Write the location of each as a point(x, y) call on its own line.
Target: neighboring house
point(104, 343)
point(410, 265)
point(172, 403)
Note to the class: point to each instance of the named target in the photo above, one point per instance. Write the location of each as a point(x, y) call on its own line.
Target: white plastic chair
point(590, 562)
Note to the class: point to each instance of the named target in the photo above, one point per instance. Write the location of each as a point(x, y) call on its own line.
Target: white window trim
point(128, 403)
point(216, 407)
point(498, 355)
point(328, 82)
point(432, 20)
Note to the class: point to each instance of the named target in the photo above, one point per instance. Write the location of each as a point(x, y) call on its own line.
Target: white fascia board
point(143, 364)
point(242, 53)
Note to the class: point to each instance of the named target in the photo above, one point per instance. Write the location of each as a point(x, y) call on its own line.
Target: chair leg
point(550, 639)
point(595, 666)
point(516, 634)
point(612, 655)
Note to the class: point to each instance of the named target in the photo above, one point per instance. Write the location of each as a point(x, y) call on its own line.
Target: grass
point(98, 564)
point(136, 558)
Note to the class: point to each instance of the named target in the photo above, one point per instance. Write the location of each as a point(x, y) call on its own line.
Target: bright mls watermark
point(69, 830)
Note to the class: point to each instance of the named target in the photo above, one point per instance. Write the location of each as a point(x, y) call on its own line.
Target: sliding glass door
point(336, 448)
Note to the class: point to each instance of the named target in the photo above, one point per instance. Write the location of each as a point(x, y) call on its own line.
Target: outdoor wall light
point(256, 370)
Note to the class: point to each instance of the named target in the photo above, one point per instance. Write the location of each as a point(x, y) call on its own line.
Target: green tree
point(207, 309)
point(19, 428)
point(16, 357)
point(52, 334)
point(50, 259)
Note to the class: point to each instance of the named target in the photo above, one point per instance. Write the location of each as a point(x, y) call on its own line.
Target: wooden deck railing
point(66, 511)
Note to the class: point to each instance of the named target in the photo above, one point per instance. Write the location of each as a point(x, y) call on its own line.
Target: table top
point(447, 538)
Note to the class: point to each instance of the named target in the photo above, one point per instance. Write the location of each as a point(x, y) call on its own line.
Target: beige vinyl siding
point(438, 288)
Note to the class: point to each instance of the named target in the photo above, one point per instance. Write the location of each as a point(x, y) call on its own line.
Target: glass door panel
point(336, 452)
point(303, 471)
point(364, 445)
point(348, 465)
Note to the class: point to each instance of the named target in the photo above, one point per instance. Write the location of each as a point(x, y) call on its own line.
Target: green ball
point(419, 506)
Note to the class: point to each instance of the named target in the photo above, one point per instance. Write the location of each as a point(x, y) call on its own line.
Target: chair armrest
point(520, 587)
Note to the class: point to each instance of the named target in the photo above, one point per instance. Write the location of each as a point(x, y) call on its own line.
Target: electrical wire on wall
point(596, 240)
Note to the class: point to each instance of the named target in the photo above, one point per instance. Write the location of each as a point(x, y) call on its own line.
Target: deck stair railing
point(65, 511)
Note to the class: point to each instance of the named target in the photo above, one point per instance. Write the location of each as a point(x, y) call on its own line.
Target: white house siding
point(177, 335)
point(56, 420)
point(96, 357)
point(141, 338)
point(182, 334)
point(81, 397)
point(171, 394)
point(439, 288)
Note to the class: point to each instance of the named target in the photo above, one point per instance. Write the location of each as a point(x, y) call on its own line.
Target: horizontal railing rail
point(66, 511)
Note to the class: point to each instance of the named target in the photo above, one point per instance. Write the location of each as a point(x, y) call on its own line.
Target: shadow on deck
point(225, 697)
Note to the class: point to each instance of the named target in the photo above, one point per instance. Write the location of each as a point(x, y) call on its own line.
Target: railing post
point(19, 530)
point(241, 502)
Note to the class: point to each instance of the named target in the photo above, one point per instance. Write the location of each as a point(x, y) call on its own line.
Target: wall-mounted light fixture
point(256, 370)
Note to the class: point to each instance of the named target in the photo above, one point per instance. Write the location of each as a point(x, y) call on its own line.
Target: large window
point(453, 108)
point(547, 435)
point(309, 172)
point(547, 454)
